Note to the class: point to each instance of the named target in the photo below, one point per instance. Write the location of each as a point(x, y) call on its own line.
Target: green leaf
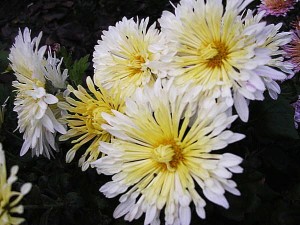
point(77, 70)
point(67, 57)
point(273, 118)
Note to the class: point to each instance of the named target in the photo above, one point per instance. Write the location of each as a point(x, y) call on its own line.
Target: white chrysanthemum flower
point(232, 54)
point(36, 119)
point(130, 56)
point(9, 199)
point(162, 155)
point(35, 107)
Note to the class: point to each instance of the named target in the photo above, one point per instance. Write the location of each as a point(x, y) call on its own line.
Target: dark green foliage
point(78, 68)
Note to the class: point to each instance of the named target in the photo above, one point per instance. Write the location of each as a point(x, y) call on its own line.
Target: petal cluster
point(162, 155)
point(35, 119)
point(26, 58)
point(9, 199)
point(84, 120)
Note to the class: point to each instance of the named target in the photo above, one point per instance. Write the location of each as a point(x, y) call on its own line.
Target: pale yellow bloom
point(161, 155)
point(84, 120)
point(130, 55)
point(227, 50)
point(9, 199)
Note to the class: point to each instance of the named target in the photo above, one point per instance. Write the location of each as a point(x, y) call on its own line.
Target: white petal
point(185, 215)
point(233, 191)
point(122, 209)
point(218, 144)
point(26, 188)
point(200, 212)
point(241, 106)
point(235, 137)
point(25, 147)
point(50, 99)
point(222, 172)
point(236, 169)
point(229, 160)
point(218, 199)
point(47, 123)
point(266, 71)
point(257, 82)
point(150, 214)
point(70, 156)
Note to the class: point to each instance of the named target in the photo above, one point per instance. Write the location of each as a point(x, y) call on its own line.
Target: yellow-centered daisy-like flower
point(9, 199)
point(84, 120)
point(130, 55)
point(227, 50)
point(161, 155)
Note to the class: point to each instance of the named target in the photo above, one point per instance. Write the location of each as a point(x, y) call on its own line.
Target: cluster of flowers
point(160, 103)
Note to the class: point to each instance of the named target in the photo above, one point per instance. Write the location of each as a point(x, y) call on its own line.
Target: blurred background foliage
point(64, 195)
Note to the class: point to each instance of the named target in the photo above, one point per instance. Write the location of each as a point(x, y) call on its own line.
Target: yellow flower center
point(220, 53)
point(93, 117)
point(168, 155)
point(136, 64)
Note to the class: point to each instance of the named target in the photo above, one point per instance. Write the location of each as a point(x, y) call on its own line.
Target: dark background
point(63, 195)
